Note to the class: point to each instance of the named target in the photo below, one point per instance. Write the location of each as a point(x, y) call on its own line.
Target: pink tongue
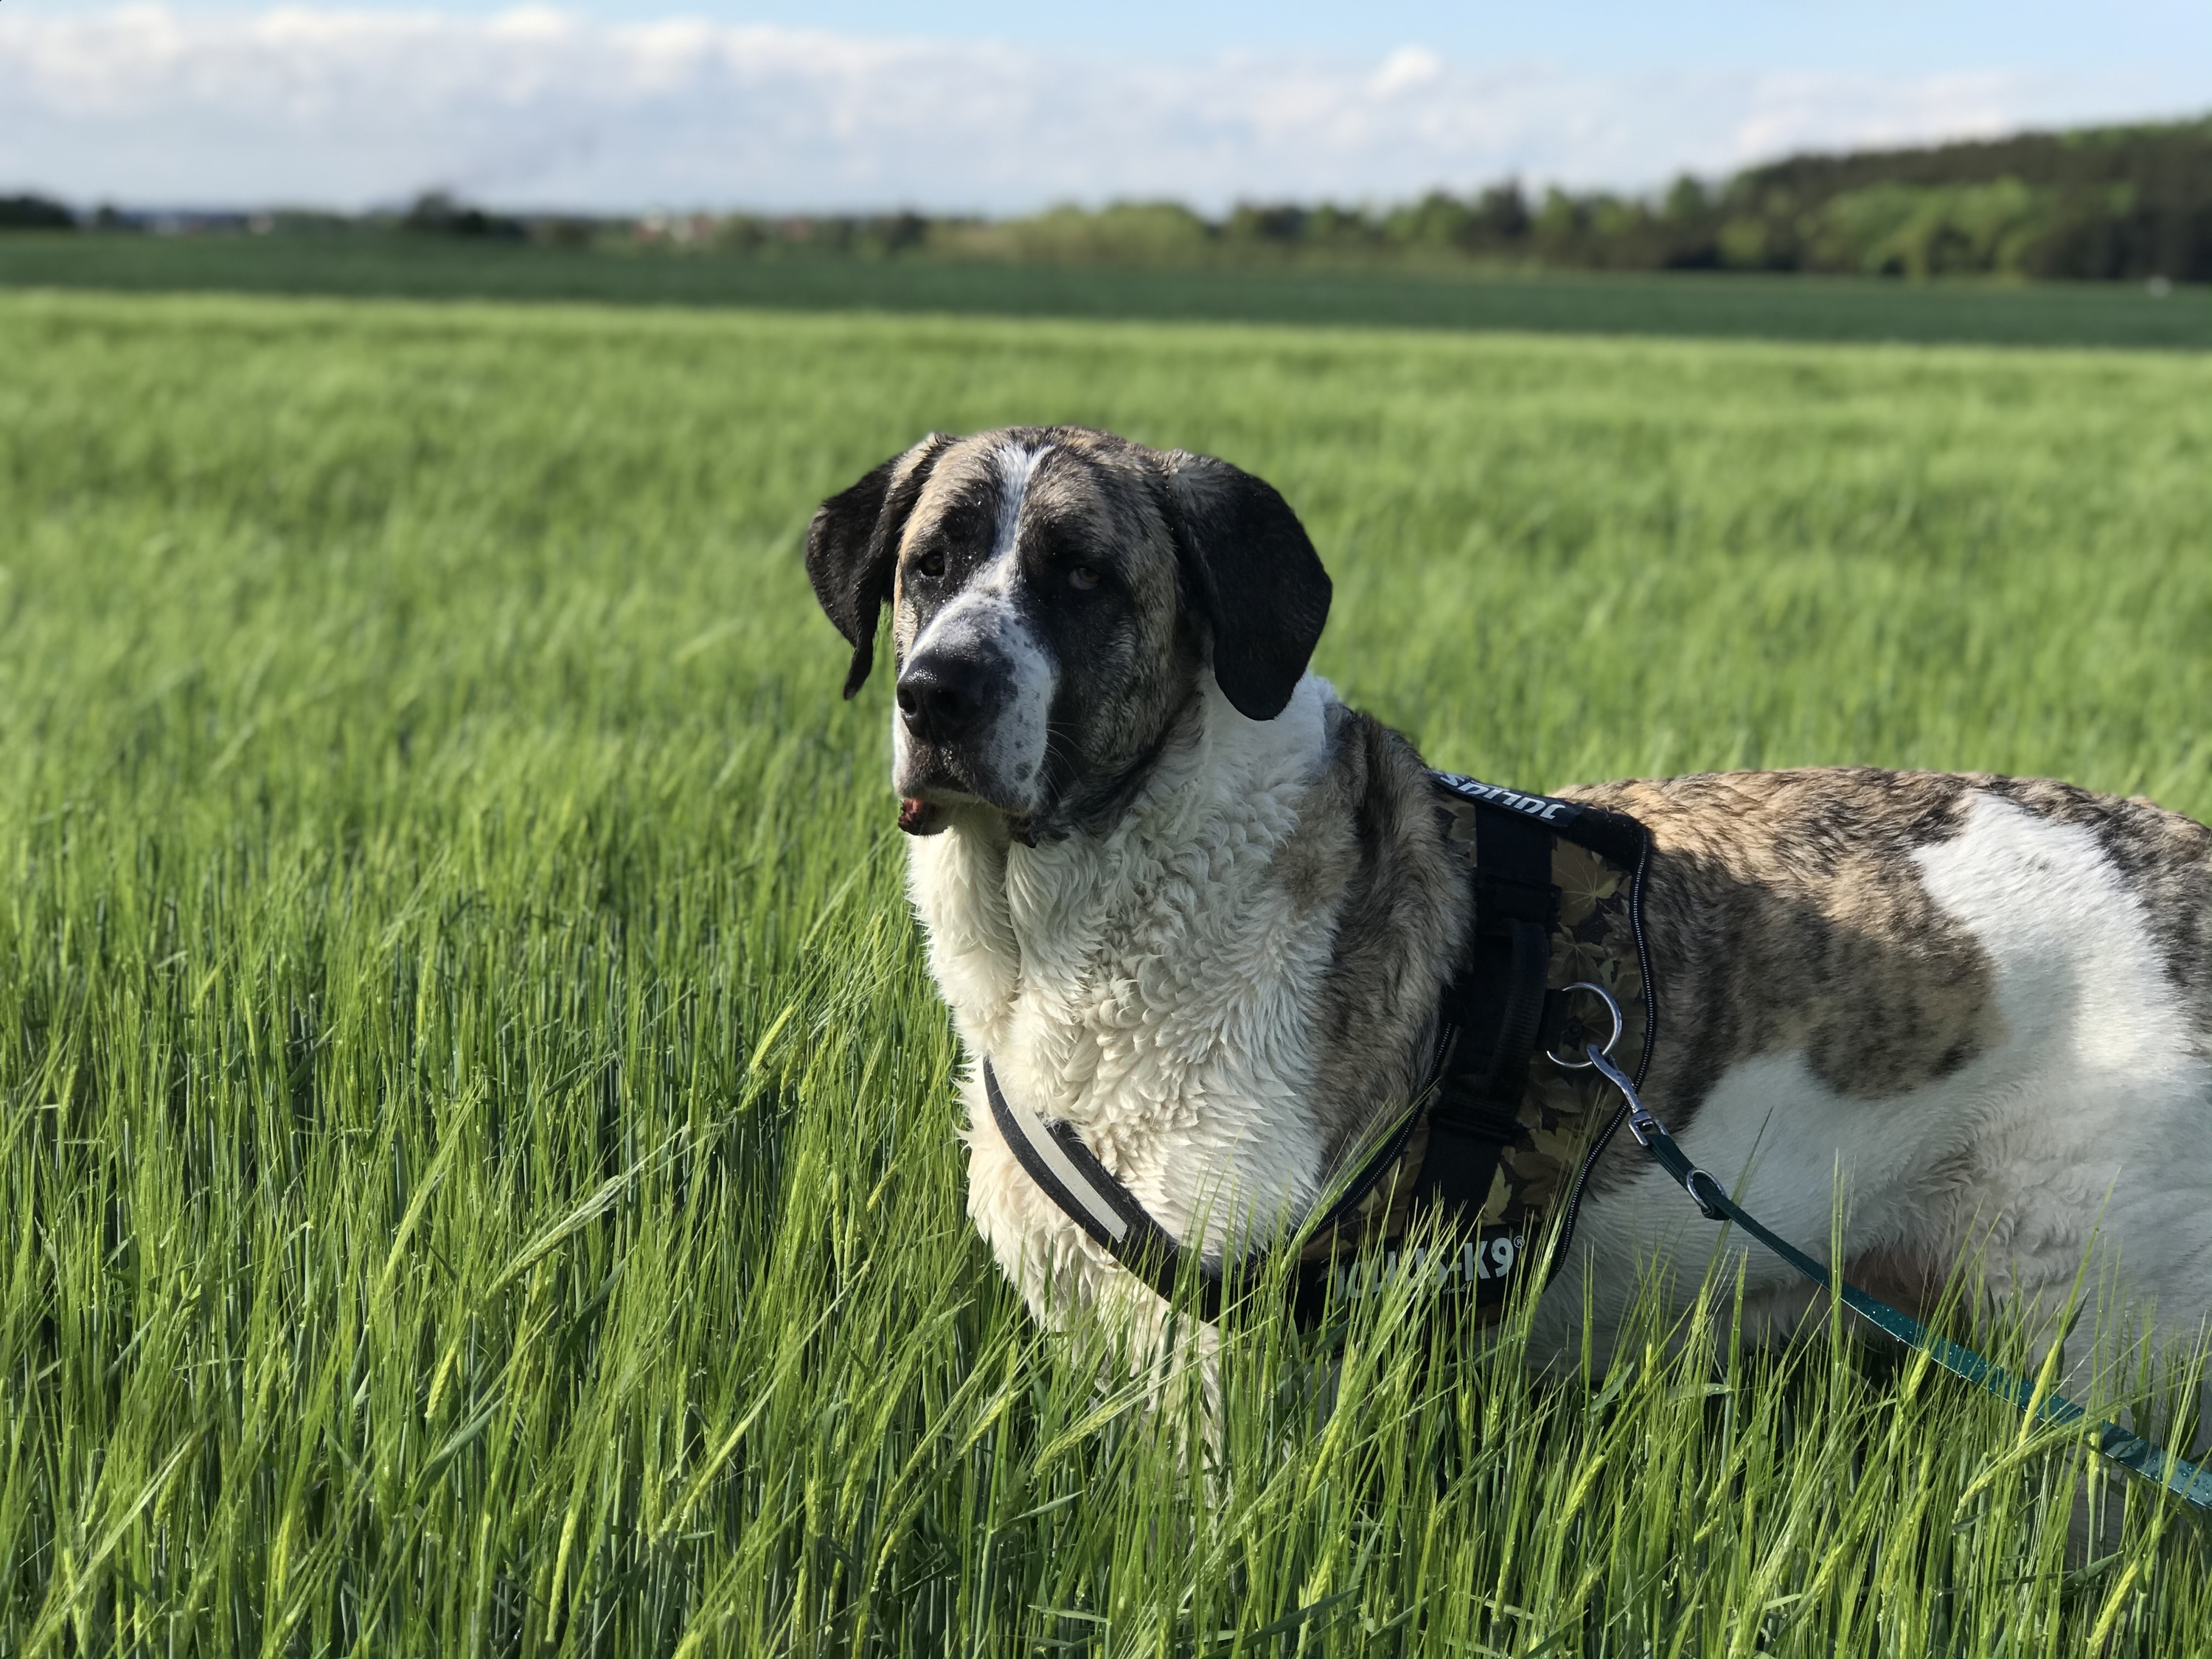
point(913, 814)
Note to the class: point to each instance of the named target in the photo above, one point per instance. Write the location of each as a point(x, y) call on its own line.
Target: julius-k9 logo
point(1485, 1265)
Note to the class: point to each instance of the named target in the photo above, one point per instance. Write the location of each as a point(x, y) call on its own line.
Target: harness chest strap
point(1053, 1156)
point(1497, 1132)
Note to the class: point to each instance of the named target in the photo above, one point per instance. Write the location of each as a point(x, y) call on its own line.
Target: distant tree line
point(2124, 202)
point(2130, 202)
point(35, 213)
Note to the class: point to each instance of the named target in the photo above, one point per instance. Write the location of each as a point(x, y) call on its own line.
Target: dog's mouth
point(930, 794)
point(926, 815)
point(928, 802)
point(934, 781)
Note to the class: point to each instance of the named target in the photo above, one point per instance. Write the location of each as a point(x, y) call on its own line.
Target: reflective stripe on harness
point(1070, 1173)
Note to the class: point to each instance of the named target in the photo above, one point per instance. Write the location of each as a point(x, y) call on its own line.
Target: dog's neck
point(1153, 983)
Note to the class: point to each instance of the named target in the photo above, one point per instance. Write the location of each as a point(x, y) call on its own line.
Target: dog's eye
point(930, 564)
point(1083, 578)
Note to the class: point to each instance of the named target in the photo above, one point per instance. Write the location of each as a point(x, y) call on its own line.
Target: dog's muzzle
point(959, 735)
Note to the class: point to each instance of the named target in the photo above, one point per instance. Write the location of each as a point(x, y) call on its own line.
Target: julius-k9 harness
point(1489, 1168)
point(1502, 1139)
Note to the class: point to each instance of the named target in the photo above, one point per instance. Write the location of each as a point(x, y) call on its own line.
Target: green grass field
point(478, 1150)
point(1696, 304)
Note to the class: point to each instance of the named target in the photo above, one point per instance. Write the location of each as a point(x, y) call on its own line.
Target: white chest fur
point(1154, 986)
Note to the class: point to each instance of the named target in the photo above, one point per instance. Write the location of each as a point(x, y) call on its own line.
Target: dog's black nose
point(940, 697)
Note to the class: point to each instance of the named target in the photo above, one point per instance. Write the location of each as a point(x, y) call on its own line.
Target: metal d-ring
point(1612, 1007)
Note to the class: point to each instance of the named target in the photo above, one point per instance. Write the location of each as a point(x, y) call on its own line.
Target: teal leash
point(2185, 1479)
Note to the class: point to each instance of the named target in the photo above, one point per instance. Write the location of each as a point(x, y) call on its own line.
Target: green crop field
point(478, 1150)
point(1693, 304)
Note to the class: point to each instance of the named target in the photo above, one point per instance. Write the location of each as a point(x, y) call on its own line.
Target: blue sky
point(643, 104)
point(1880, 36)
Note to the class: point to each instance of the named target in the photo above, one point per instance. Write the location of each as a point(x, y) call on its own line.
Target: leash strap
point(2191, 1484)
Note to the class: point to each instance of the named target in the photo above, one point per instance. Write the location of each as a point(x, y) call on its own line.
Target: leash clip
point(1652, 1135)
point(1641, 1123)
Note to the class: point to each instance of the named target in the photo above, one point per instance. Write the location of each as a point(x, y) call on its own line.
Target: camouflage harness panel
point(1562, 1117)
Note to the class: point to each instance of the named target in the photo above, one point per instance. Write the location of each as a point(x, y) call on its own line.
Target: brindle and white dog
point(1189, 902)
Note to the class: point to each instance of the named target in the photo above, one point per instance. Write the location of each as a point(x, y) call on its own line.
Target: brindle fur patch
point(1371, 849)
point(1785, 915)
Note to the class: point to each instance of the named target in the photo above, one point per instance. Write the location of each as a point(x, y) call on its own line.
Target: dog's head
point(1056, 593)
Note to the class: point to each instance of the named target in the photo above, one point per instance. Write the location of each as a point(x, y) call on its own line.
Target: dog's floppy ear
point(852, 548)
point(1252, 572)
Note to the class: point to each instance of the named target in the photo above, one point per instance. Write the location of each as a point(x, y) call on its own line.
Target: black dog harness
point(1502, 1138)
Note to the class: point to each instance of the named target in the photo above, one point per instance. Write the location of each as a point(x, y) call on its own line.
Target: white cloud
point(1405, 68)
point(539, 107)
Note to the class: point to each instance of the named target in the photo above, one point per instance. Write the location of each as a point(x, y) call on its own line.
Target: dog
point(1190, 904)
